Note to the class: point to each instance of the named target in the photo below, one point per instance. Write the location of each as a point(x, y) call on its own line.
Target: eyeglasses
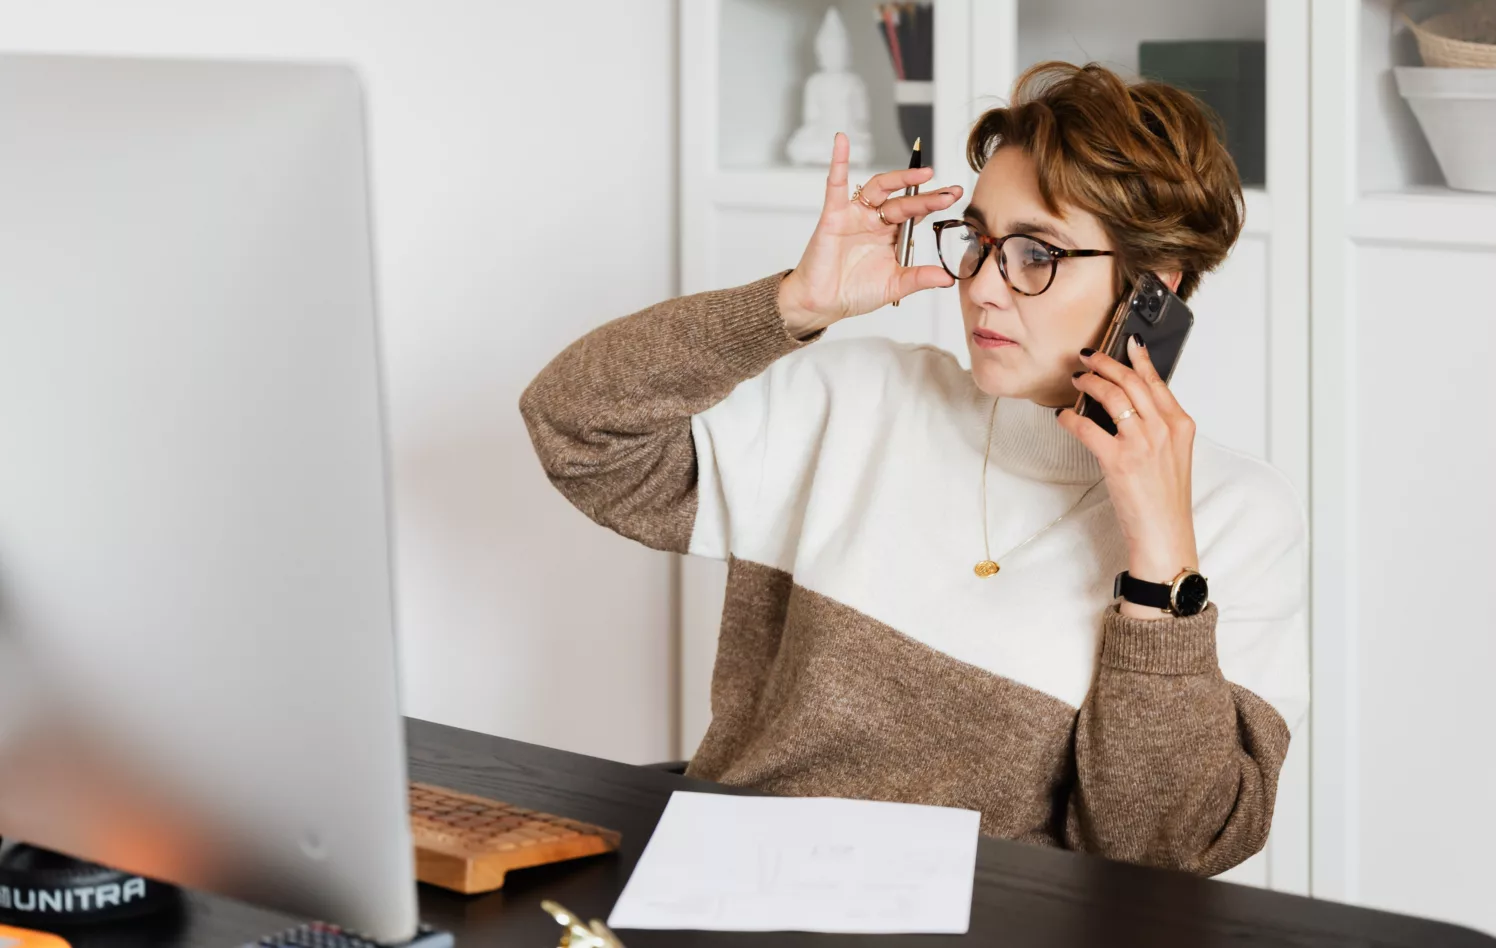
point(1027, 263)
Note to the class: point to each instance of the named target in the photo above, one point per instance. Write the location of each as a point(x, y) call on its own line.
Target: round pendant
point(987, 568)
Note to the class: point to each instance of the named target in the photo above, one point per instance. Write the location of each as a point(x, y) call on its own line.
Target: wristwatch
point(1186, 595)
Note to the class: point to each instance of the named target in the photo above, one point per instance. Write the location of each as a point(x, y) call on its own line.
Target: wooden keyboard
point(468, 843)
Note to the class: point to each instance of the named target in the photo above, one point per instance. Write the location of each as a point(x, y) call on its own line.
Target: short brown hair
point(1145, 158)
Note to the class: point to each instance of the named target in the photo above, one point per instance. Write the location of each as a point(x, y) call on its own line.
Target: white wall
point(489, 122)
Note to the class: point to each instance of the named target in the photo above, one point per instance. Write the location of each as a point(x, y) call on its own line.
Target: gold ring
point(885, 220)
point(1123, 417)
point(857, 196)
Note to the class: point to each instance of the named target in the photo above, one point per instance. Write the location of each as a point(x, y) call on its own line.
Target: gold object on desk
point(578, 935)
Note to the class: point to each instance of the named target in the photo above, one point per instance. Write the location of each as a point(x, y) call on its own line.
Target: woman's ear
point(1171, 279)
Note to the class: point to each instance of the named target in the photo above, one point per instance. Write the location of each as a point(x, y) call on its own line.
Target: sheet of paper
point(730, 863)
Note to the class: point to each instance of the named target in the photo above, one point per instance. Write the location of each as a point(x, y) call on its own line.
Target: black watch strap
point(1141, 592)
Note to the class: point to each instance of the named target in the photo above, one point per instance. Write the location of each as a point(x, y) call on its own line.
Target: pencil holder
point(915, 99)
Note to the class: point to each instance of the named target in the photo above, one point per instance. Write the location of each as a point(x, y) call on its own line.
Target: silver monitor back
point(197, 656)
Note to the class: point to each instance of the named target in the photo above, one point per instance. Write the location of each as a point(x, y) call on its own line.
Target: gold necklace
point(988, 566)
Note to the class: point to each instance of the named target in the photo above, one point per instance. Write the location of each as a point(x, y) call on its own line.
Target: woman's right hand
point(851, 265)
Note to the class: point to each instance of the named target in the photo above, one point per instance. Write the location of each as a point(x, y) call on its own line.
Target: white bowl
point(1457, 110)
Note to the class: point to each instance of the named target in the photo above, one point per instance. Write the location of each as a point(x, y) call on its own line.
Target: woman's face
point(1028, 346)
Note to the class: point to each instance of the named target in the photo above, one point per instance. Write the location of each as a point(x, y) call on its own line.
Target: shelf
point(765, 54)
point(1392, 154)
point(1425, 215)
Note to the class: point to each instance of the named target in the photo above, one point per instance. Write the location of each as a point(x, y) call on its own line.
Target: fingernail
point(1076, 375)
point(1087, 352)
point(1137, 339)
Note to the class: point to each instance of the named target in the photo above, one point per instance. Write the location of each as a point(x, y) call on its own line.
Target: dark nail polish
point(1076, 375)
point(1087, 352)
point(1137, 340)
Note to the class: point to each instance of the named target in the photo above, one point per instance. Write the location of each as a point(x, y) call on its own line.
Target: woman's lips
point(988, 339)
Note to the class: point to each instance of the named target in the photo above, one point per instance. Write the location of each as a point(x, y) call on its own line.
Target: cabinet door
point(1403, 510)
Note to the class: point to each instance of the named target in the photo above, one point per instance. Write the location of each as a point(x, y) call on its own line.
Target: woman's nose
point(987, 286)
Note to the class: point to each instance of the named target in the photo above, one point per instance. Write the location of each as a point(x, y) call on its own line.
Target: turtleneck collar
point(1027, 441)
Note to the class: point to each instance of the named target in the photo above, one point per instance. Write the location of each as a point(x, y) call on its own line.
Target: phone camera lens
point(1146, 308)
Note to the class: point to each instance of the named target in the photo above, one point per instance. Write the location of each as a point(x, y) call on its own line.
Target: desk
point(1025, 896)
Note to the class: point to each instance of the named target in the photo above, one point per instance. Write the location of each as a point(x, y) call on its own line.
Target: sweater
point(860, 656)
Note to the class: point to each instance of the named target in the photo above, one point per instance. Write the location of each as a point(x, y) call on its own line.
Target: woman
point(859, 654)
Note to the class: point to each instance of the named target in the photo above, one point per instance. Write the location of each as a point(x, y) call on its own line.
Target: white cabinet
point(1402, 454)
point(1402, 506)
point(744, 214)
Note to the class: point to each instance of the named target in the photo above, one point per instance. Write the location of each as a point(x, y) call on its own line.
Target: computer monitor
point(197, 635)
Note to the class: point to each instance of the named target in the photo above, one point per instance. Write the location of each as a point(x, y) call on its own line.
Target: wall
point(509, 147)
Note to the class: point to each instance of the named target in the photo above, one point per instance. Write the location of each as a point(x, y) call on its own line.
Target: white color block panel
point(1424, 642)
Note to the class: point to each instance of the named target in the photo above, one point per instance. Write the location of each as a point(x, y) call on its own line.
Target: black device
point(39, 887)
point(1151, 310)
point(1185, 595)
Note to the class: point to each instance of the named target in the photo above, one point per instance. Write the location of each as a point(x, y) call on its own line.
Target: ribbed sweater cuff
point(749, 331)
point(1168, 646)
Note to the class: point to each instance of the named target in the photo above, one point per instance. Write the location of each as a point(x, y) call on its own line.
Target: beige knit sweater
point(859, 656)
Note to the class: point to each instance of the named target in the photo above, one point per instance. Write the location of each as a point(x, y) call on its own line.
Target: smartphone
point(1151, 310)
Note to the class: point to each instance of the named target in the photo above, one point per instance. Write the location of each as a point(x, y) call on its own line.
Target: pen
point(906, 229)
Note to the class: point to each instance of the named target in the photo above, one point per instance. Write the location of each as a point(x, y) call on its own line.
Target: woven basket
point(1460, 39)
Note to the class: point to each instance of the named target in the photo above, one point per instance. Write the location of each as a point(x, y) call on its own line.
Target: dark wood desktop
point(1024, 896)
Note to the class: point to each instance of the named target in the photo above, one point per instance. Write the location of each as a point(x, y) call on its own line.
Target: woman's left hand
point(1146, 464)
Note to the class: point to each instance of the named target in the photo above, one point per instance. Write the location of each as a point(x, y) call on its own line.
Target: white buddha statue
point(835, 101)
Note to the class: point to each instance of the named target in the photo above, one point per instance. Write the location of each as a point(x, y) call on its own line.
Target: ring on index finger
point(857, 196)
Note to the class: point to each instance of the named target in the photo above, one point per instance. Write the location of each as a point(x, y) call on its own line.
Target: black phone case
point(1153, 311)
